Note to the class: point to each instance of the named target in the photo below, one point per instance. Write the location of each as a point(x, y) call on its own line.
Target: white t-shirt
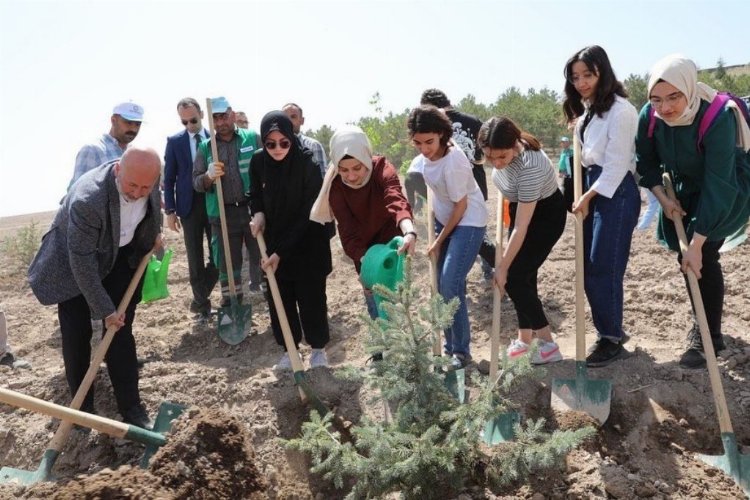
point(450, 179)
point(416, 165)
point(609, 142)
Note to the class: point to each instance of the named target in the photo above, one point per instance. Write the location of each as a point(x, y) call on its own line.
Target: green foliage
point(430, 447)
point(322, 135)
point(23, 245)
point(637, 88)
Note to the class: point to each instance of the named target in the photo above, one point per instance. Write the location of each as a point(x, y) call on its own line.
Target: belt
point(236, 204)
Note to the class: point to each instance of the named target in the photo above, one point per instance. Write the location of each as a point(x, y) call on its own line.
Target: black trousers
point(306, 307)
point(203, 276)
point(75, 326)
point(546, 226)
point(711, 286)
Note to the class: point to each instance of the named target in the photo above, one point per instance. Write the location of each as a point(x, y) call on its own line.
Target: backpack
point(721, 99)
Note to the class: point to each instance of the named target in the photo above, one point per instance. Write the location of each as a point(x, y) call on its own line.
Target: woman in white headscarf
point(711, 179)
point(363, 192)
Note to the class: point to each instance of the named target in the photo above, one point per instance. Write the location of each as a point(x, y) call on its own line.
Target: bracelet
point(411, 232)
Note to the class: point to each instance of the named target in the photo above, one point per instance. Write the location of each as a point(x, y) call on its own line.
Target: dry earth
point(661, 418)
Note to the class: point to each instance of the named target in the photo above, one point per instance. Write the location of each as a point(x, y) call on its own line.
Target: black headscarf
point(277, 120)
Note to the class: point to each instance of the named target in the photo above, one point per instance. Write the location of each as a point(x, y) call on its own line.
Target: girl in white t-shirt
point(460, 217)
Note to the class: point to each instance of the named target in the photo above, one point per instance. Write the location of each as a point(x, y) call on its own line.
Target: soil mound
point(208, 455)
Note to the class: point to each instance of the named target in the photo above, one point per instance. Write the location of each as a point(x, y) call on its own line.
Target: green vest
point(246, 147)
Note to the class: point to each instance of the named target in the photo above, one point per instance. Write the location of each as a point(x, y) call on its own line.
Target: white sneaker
point(548, 352)
point(517, 348)
point(318, 358)
point(284, 364)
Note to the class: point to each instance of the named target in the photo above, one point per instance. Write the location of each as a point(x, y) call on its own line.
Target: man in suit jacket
point(181, 200)
point(107, 223)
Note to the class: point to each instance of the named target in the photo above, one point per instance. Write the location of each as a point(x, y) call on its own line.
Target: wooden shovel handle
point(722, 411)
point(61, 435)
point(496, 294)
point(286, 330)
point(580, 309)
point(222, 212)
point(436, 350)
point(105, 425)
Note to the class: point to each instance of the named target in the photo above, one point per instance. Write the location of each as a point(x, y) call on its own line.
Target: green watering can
point(155, 278)
point(382, 265)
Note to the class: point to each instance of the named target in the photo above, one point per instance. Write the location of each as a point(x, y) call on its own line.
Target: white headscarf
point(348, 140)
point(681, 72)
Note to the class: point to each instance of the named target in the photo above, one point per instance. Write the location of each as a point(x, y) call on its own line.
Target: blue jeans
point(457, 255)
point(607, 233)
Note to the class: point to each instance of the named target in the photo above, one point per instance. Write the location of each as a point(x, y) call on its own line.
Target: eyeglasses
point(672, 99)
point(283, 144)
point(192, 121)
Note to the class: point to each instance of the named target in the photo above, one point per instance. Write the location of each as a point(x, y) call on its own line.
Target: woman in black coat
point(284, 183)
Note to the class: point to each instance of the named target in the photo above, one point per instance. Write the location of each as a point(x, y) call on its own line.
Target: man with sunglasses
point(126, 122)
point(235, 148)
point(185, 208)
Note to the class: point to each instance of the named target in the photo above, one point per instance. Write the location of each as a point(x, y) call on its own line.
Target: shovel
point(232, 320)
point(152, 439)
point(306, 392)
point(455, 380)
point(581, 393)
point(500, 428)
point(732, 462)
point(44, 471)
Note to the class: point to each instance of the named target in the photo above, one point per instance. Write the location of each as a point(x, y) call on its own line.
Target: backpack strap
point(710, 115)
point(651, 122)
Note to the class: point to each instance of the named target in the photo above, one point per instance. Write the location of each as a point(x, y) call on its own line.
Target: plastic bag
point(155, 278)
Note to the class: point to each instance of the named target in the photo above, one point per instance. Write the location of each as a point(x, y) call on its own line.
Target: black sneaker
point(694, 357)
point(137, 415)
point(603, 352)
point(7, 359)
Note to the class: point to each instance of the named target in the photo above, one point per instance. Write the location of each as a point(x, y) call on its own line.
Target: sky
point(65, 64)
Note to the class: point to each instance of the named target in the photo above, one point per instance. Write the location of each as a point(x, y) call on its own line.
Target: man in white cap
point(126, 122)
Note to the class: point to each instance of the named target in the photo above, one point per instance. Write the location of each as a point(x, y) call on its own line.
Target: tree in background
point(538, 112)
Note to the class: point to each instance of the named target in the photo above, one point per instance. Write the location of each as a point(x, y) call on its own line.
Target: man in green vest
point(235, 148)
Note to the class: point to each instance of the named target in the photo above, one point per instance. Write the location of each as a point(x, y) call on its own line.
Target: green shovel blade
point(26, 477)
point(500, 429)
point(732, 462)
point(163, 424)
point(583, 394)
point(232, 321)
point(455, 382)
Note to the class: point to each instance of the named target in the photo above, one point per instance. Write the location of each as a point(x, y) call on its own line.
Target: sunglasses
point(192, 120)
point(283, 144)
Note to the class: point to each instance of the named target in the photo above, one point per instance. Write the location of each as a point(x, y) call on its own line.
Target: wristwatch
point(411, 232)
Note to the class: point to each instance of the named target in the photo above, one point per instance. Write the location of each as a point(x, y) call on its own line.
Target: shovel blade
point(581, 394)
point(167, 413)
point(500, 429)
point(27, 477)
point(232, 321)
point(732, 462)
point(455, 382)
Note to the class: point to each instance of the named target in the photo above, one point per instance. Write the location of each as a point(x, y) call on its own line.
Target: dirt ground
point(662, 417)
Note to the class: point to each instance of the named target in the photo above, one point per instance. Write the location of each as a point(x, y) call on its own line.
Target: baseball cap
point(129, 110)
point(564, 139)
point(219, 105)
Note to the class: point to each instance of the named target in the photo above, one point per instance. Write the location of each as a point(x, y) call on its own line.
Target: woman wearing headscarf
point(363, 192)
point(711, 180)
point(284, 184)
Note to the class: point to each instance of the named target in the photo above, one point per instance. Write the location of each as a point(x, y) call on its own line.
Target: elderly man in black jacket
point(108, 221)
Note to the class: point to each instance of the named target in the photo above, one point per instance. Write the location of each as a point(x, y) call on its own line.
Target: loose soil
point(228, 444)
